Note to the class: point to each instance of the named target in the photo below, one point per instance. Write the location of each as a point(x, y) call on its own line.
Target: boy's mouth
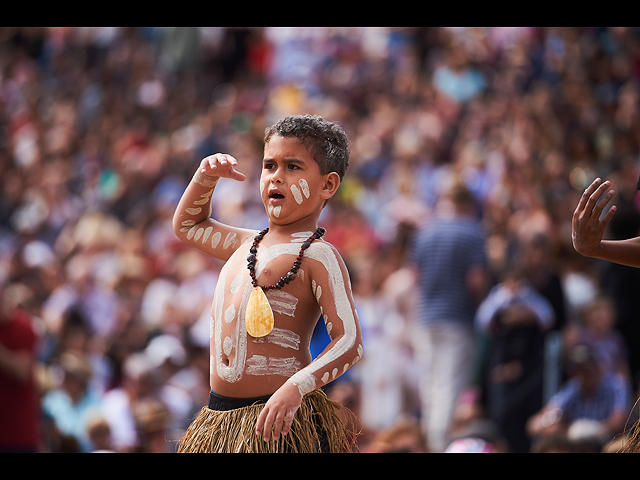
point(274, 195)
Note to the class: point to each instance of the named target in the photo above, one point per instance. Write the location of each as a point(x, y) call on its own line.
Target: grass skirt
point(319, 425)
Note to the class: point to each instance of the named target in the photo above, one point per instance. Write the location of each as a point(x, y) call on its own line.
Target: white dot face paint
point(297, 196)
point(305, 187)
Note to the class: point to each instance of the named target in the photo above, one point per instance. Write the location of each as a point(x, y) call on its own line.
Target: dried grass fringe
point(234, 431)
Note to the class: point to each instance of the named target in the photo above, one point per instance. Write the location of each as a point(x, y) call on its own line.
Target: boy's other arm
point(192, 220)
point(332, 290)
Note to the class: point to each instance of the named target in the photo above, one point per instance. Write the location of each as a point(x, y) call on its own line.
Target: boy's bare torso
point(237, 358)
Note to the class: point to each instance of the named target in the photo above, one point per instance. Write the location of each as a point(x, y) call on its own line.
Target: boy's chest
point(293, 305)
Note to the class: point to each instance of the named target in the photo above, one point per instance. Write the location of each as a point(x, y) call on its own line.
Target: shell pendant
point(258, 316)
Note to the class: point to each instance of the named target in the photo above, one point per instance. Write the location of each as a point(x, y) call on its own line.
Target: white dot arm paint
point(193, 224)
point(332, 290)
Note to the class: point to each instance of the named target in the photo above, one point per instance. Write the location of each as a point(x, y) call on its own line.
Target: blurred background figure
point(450, 262)
point(19, 398)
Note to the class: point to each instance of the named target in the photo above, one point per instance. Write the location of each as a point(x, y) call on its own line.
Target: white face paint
point(297, 196)
point(305, 187)
point(276, 211)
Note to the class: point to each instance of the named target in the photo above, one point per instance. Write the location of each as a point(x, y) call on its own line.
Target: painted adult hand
point(278, 413)
point(221, 165)
point(587, 225)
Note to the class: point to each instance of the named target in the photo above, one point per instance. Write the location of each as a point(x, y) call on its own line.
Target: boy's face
point(291, 185)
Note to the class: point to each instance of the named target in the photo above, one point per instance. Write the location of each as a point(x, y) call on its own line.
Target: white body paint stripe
point(260, 365)
point(282, 302)
point(282, 338)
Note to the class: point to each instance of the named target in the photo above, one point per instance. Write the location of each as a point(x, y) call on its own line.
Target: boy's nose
point(276, 177)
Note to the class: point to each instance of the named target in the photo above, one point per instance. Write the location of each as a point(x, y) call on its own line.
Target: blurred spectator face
point(600, 317)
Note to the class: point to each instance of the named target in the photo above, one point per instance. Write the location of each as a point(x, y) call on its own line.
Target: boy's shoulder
point(325, 253)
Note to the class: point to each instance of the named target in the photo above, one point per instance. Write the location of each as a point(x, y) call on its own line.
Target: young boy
point(265, 393)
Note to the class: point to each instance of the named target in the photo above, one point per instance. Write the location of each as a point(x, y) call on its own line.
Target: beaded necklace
point(259, 316)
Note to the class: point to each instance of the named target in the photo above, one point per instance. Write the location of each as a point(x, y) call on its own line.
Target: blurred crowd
point(101, 129)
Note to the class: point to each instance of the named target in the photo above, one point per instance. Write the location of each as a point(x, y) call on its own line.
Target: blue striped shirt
point(443, 253)
point(612, 395)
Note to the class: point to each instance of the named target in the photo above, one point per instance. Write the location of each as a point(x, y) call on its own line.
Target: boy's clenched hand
point(221, 165)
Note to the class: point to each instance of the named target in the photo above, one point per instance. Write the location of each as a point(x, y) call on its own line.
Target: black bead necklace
point(253, 252)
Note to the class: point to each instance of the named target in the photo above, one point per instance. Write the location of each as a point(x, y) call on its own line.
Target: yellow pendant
point(258, 317)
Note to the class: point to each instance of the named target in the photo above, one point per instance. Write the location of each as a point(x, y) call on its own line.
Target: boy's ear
point(331, 184)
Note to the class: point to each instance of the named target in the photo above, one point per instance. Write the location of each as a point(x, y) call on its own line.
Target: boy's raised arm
point(192, 222)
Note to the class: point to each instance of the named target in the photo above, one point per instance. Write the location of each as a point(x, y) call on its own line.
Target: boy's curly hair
point(327, 142)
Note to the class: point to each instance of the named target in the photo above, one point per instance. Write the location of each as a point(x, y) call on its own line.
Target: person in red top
point(19, 431)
